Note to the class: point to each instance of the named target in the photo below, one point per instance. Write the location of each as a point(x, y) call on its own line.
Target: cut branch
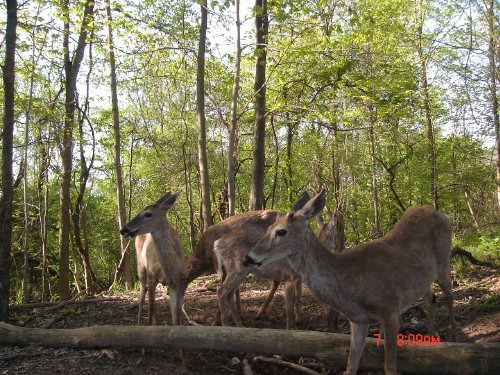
point(446, 358)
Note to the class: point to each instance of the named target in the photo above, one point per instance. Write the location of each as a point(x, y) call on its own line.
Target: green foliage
point(491, 304)
point(335, 70)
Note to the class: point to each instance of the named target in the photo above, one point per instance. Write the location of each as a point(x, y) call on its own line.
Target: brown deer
point(372, 282)
point(226, 244)
point(160, 257)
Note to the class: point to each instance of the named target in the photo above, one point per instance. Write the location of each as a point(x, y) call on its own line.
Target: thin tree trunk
point(427, 108)
point(289, 170)
point(43, 194)
point(231, 183)
point(493, 76)
point(7, 150)
point(71, 67)
point(337, 217)
point(120, 193)
point(26, 293)
point(376, 203)
point(206, 210)
point(77, 215)
point(259, 152)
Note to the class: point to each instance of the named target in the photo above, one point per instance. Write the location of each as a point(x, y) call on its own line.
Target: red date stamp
point(413, 340)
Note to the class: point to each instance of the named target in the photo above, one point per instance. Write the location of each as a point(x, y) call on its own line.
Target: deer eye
point(148, 214)
point(281, 232)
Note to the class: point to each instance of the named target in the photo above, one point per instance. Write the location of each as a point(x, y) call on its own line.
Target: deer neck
point(324, 273)
point(164, 247)
point(161, 235)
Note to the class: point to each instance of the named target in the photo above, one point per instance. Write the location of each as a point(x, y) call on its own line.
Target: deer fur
point(372, 282)
point(226, 244)
point(160, 256)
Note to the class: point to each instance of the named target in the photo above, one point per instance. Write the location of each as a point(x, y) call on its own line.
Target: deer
point(372, 282)
point(222, 248)
point(160, 256)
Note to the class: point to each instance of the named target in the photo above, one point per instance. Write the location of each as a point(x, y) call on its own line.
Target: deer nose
point(249, 262)
point(124, 231)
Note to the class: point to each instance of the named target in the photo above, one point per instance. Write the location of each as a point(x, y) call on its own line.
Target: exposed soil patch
point(477, 307)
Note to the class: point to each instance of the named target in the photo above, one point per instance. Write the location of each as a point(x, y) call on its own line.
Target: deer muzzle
point(250, 262)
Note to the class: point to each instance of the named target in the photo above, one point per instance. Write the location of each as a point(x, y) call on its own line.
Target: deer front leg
point(391, 327)
point(142, 299)
point(152, 313)
point(289, 303)
point(225, 294)
point(430, 309)
point(269, 298)
point(358, 339)
point(175, 304)
point(298, 301)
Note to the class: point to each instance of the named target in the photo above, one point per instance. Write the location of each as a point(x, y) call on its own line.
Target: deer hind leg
point(358, 339)
point(269, 298)
point(391, 327)
point(445, 284)
point(289, 303)
point(142, 299)
point(152, 313)
point(238, 301)
point(333, 317)
point(430, 309)
point(298, 301)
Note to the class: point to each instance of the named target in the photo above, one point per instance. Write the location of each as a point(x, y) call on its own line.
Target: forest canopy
point(386, 103)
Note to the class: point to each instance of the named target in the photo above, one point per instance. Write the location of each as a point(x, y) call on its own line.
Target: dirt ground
point(477, 300)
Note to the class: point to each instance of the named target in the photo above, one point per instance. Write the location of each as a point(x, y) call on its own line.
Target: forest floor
point(477, 306)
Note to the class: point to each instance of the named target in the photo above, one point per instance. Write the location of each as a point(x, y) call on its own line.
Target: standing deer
point(160, 257)
point(226, 244)
point(372, 282)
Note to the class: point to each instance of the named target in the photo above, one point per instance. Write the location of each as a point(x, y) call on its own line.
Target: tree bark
point(493, 74)
point(7, 150)
point(206, 209)
point(376, 203)
point(424, 87)
point(447, 358)
point(259, 152)
point(231, 169)
point(71, 68)
point(120, 193)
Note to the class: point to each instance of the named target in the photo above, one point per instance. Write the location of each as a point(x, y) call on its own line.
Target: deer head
point(149, 218)
point(282, 238)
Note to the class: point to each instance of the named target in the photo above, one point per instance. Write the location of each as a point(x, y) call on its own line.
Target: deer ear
point(160, 201)
point(314, 206)
point(168, 200)
point(301, 201)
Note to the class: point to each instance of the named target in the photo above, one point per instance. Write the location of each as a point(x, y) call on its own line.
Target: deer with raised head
point(160, 257)
point(372, 282)
point(223, 247)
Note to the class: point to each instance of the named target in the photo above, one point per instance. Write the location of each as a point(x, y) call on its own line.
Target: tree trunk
point(78, 212)
point(376, 203)
point(259, 152)
point(231, 171)
point(445, 358)
point(71, 68)
point(338, 230)
point(7, 150)
point(120, 193)
point(493, 74)
point(206, 209)
point(427, 107)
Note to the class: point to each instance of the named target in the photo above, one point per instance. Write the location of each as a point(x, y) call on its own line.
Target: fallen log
point(331, 348)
